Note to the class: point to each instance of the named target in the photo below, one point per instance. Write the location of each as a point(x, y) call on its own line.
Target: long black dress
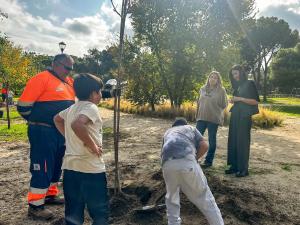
point(240, 127)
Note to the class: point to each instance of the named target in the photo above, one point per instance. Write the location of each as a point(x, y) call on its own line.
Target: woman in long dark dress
point(245, 104)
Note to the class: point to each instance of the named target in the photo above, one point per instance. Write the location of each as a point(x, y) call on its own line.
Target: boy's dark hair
point(179, 122)
point(85, 84)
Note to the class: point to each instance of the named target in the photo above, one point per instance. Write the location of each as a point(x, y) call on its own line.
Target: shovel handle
point(160, 198)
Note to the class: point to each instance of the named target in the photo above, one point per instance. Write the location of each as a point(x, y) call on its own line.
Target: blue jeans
point(88, 189)
point(212, 138)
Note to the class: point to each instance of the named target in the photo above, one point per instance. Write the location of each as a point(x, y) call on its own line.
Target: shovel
point(153, 207)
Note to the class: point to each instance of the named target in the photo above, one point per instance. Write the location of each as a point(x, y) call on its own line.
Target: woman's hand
point(244, 100)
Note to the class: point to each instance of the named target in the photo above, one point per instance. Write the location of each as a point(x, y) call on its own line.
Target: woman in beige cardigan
point(210, 112)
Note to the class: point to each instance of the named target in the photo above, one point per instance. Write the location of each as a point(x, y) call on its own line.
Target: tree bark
point(7, 107)
point(265, 82)
point(152, 107)
point(259, 75)
point(117, 100)
point(160, 67)
point(7, 113)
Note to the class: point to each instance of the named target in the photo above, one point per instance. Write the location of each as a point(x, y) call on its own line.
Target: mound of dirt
point(238, 205)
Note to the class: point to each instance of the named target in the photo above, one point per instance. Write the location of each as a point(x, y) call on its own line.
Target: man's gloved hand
point(108, 87)
point(111, 86)
point(109, 93)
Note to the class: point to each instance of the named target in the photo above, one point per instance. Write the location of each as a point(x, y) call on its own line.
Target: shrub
point(265, 119)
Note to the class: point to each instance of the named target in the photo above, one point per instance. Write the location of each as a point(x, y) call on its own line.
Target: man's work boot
point(40, 213)
point(54, 200)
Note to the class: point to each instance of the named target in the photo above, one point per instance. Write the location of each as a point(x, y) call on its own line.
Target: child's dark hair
point(180, 121)
point(85, 84)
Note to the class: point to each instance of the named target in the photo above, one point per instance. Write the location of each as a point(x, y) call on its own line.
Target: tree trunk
point(7, 113)
point(254, 73)
point(117, 100)
point(265, 83)
point(172, 102)
point(117, 187)
point(7, 107)
point(161, 70)
point(265, 86)
point(259, 76)
point(152, 107)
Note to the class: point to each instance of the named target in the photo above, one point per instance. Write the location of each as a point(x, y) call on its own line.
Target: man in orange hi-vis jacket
point(45, 95)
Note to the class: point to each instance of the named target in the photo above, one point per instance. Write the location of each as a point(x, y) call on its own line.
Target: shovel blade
point(149, 208)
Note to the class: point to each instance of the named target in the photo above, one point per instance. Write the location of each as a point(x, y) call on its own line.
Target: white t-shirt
point(77, 156)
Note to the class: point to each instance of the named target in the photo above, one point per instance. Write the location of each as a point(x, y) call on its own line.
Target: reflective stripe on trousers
point(36, 196)
point(52, 190)
point(187, 176)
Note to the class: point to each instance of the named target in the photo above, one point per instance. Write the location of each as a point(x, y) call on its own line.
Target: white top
point(77, 156)
point(10, 94)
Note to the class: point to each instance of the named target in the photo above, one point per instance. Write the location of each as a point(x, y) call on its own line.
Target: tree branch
point(272, 52)
point(114, 7)
point(129, 7)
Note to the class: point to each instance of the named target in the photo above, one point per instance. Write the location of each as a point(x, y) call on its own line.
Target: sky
point(39, 25)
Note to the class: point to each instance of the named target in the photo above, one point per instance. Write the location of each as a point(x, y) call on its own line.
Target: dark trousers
point(88, 189)
point(3, 97)
point(212, 138)
point(47, 149)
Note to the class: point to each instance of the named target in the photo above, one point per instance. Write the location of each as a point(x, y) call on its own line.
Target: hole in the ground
point(236, 203)
point(157, 176)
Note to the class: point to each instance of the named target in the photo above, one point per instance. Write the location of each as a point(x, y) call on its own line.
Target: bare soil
point(270, 195)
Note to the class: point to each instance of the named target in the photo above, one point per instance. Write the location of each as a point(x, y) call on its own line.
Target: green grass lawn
point(284, 101)
point(293, 111)
point(286, 106)
point(17, 132)
point(13, 114)
point(18, 128)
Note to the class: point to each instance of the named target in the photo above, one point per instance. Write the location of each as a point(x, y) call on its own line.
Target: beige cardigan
point(211, 105)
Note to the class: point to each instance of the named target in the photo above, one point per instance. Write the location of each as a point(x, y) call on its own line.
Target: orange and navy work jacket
point(44, 96)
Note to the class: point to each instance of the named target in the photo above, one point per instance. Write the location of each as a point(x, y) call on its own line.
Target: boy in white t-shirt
point(84, 180)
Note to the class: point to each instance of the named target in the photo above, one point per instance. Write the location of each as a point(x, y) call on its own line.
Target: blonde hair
point(219, 83)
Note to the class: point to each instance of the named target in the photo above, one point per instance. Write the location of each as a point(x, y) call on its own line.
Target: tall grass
point(265, 119)
point(187, 110)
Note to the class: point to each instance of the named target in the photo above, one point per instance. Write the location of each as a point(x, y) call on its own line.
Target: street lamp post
point(62, 46)
point(98, 67)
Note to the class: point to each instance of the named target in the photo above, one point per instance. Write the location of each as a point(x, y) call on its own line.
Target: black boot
point(231, 170)
point(242, 174)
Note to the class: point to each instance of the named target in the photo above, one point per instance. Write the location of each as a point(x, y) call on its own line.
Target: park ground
point(270, 195)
